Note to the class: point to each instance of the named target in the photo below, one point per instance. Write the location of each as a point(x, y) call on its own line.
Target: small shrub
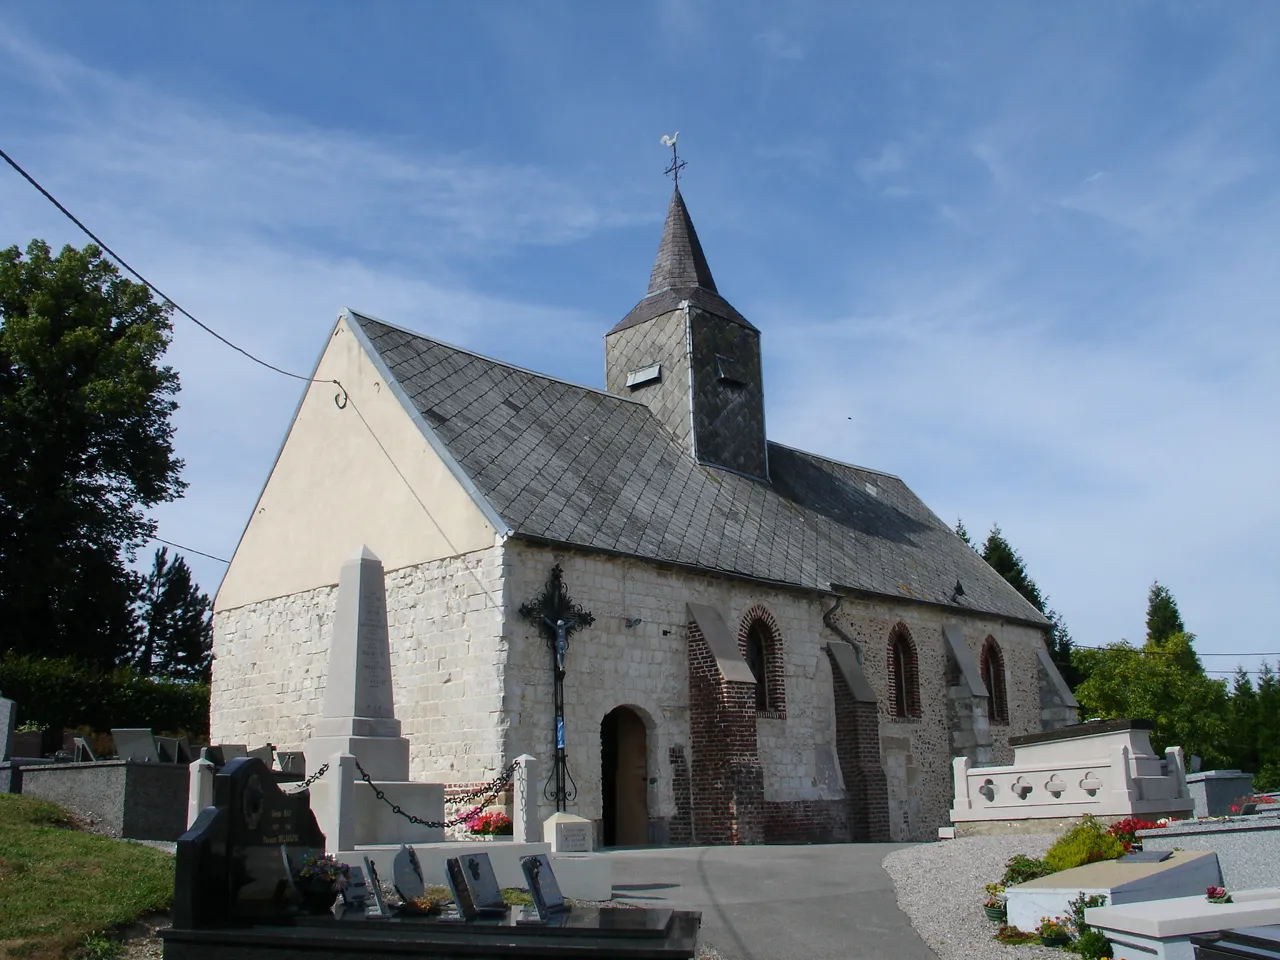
point(1086, 842)
point(1082, 903)
point(1022, 868)
point(1008, 934)
point(98, 947)
point(1092, 945)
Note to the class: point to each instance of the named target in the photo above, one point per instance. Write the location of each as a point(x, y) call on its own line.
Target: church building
point(781, 646)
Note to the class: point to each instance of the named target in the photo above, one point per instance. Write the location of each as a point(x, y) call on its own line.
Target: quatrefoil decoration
point(1021, 788)
point(1056, 786)
point(1091, 784)
point(988, 790)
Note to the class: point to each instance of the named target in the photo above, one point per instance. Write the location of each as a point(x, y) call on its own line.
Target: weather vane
point(677, 164)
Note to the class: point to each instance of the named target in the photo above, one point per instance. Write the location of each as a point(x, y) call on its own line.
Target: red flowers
point(1217, 895)
point(495, 823)
point(1126, 830)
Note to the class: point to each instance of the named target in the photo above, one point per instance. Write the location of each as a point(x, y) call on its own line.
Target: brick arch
point(904, 673)
point(993, 678)
point(771, 695)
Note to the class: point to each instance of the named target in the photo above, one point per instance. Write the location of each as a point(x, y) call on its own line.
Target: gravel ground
point(940, 887)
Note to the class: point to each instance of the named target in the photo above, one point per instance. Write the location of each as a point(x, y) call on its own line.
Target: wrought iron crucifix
point(677, 164)
point(557, 618)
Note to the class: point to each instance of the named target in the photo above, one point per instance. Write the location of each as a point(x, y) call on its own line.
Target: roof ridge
point(839, 463)
point(495, 360)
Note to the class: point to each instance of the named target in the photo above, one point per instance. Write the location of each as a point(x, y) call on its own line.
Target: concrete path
point(813, 902)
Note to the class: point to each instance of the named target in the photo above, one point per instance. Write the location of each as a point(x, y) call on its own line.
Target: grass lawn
point(60, 885)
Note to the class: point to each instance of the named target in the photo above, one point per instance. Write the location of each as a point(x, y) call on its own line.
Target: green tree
point(1163, 619)
point(1242, 714)
point(962, 533)
point(87, 446)
point(1007, 562)
point(175, 623)
point(1268, 773)
point(1165, 684)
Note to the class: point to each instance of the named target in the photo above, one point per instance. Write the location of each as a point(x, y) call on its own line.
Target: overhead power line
point(151, 286)
point(178, 546)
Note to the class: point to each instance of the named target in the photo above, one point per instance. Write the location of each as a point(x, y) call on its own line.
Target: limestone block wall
point(916, 752)
point(447, 654)
point(645, 666)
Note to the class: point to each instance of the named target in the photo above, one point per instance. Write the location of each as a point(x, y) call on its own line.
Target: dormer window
point(729, 371)
point(644, 376)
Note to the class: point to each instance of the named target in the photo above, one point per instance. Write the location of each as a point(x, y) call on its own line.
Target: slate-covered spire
point(680, 263)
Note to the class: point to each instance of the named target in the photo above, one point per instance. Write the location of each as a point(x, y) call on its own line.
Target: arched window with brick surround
point(904, 673)
point(993, 677)
point(760, 641)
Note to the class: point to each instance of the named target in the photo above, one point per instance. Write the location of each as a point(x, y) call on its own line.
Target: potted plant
point(319, 879)
point(995, 906)
point(487, 826)
point(1218, 895)
point(1054, 932)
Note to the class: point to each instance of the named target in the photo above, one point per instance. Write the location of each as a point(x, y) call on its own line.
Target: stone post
point(960, 778)
point(1122, 784)
point(199, 788)
point(1175, 764)
point(524, 814)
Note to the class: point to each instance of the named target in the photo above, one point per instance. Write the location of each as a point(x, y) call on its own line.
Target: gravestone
point(135, 743)
point(407, 875)
point(481, 882)
point(568, 833)
point(379, 906)
point(229, 865)
point(8, 722)
point(547, 898)
point(358, 716)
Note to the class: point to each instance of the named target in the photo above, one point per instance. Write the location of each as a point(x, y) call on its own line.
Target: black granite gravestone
point(547, 898)
point(229, 867)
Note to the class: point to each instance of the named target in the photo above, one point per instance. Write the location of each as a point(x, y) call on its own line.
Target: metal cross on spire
point(677, 164)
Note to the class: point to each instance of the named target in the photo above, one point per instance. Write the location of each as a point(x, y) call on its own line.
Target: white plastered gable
point(371, 472)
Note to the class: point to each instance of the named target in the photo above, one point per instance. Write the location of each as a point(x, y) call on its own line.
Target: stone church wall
point(447, 656)
point(646, 666)
point(916, 752)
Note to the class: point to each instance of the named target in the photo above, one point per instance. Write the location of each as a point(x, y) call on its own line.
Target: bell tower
point(691, 357)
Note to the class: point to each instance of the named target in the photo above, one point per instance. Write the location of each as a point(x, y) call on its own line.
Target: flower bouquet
point(1218, 895)
point(995, 906)
point(492, 824)
point(1054, 932)
point(319, 878)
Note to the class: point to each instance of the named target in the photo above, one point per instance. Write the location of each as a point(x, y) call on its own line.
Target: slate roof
point(571, 464)
point(680, 272)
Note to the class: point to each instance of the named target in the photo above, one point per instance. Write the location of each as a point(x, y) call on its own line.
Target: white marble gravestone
point(359, 709)
point(568, 834)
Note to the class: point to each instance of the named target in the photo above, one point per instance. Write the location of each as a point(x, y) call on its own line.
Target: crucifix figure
point(557, 617)
point(677, 164)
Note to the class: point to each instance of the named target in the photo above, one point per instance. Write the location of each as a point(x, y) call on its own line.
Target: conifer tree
point(175, 626)
point(1163, 619)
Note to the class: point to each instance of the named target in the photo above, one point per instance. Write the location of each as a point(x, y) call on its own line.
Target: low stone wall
point(122, 798)
point(1248, 848)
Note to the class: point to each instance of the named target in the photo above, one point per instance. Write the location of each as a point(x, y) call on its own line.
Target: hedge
point(65, 693)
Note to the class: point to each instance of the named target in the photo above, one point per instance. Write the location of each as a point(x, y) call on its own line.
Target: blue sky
point(1021, 255)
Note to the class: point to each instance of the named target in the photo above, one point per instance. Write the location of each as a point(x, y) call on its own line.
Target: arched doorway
point(624, 778)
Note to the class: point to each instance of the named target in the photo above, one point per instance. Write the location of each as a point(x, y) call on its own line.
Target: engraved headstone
point(568, 833)
point(547, 898)
point(356, 891)
point(477, 873)
point(358, 715)
point(8, 721)
point(407, 875)
point(229, 865)
point(457, 881)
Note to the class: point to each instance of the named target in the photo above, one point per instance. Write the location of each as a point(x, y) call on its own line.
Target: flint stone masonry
point(122, 798)
point(1248, 848)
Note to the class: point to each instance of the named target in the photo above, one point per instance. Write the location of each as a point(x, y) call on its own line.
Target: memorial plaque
point(356, 891)
point(547, 898)
point(478, 873)
point(378, 907)
point(407, 875)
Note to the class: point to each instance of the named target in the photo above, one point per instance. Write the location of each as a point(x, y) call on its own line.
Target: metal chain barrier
point(305, 784)
point(489, 792)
